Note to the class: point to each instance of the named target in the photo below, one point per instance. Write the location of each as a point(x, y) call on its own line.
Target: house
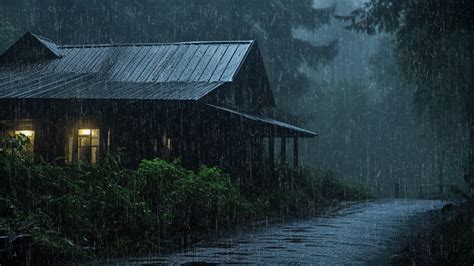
point(200, 101)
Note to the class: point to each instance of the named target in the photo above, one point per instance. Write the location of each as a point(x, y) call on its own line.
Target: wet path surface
point(364, 233)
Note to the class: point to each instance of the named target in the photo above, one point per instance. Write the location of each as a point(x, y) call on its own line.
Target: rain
point(236, 132)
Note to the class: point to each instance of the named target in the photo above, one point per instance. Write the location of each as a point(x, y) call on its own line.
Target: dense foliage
point(70, 210)
point(84, 209)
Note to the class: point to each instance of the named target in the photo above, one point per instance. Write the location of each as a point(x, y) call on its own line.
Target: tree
point(434, 45)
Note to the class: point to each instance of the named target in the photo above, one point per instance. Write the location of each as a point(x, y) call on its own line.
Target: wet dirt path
point(364, 233)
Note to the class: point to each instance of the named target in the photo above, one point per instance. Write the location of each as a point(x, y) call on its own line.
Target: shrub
point(70, 210)
point(300, 192)
point(156, 180)
point(186, 201)
point(208, 199)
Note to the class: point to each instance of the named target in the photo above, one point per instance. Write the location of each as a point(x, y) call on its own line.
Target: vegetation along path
point(370, 232)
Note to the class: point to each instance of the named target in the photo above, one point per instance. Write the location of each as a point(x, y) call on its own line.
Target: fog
point(369, 128)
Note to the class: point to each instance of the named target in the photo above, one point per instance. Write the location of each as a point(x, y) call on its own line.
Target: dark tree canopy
point(427, 33)
point(434, 49)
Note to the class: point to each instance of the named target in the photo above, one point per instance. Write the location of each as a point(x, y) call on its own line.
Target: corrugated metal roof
point(179, 70)
point(176, 62)
point(42, 85)
point(284, 127)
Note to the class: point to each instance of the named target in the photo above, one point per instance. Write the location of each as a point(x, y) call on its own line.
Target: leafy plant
point(71, 211)
point(300, 192)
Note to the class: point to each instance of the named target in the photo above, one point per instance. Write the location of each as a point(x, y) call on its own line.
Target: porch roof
point(269, 126)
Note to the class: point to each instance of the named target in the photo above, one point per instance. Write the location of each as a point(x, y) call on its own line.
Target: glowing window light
point(85, 132)
point(30, 135)
point(26, 133)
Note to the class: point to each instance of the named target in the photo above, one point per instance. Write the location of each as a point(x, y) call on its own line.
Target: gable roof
point(36, 48)
point(174, 62)
point(50, 45)
point(192, 69)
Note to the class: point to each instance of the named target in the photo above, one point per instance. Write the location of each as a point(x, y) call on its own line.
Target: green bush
point(67, 208)
point(186, 201)
point(207, 199)
point(73, 210)
point(109, 208)
point(301, 192)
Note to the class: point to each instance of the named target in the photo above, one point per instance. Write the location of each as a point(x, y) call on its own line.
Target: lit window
point(167, 142)
point(19, 127)
point(85, 132)
point(27, 133)
point(88, 145)
point(30, 135)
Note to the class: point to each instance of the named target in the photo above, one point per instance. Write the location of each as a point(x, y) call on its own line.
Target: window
point(30, 135)
point(88, 145)
point(19, 127)
point(167, 142)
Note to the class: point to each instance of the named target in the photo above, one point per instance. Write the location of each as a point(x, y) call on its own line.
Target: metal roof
point(173, 71)
point(278, 127)
point(180, 62)
point(53, 47)
point(93, 86)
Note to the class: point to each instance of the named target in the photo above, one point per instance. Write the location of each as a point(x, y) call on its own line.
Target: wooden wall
point(199, 136)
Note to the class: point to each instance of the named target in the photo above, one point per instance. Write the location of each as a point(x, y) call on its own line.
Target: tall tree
point(434, 41)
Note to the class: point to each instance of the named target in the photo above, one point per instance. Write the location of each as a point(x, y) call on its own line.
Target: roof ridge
point(44, 38)
point(68, 46)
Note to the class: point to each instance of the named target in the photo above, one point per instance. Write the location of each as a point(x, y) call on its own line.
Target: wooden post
point(283, 151)
point(59, 137)
point(103, 141)
point(295, 152)
point(75, 151)
point(271, 153)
